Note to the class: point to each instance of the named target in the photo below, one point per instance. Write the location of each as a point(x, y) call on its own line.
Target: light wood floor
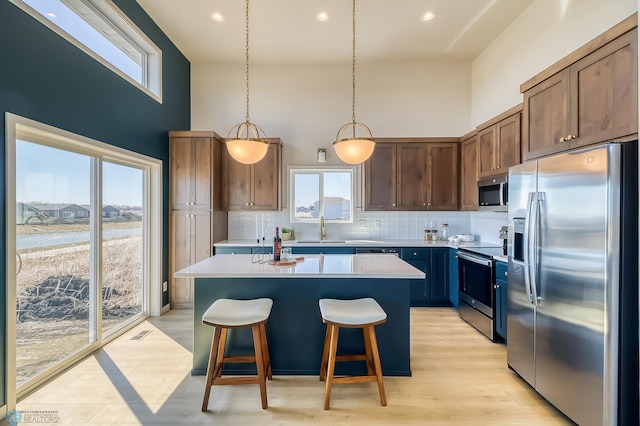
point(459, 378)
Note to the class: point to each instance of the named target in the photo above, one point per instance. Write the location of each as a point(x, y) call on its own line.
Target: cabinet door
point(469, 175)
point(190, 243)
point(442, 176)
point(486, 144)
point(501, 299)
point(508, 143)
point(237, 178)
point(439, 283)
point(191, 172)
point(380, 178)
point(266, 181)
point(453, 277)
point(545, 117)
point(412, 182)
point(419, 291)
point(604, 92)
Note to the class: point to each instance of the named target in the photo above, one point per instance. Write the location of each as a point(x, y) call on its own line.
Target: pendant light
point(354, 143)
point(246, 142)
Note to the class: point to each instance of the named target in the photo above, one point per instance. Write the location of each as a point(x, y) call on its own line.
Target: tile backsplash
point(370, 225)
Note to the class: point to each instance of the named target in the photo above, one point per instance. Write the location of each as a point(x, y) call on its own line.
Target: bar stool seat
point(362, 313)
point(225, 314)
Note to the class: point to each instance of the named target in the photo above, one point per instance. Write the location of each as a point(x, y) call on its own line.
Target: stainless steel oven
point(476, 275)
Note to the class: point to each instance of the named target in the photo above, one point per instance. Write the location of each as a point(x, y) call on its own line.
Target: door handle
point(527, 245)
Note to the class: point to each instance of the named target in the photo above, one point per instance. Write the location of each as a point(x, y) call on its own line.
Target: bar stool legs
point(358, 313)
point(223, 315)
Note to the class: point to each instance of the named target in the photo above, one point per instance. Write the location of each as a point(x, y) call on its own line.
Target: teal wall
point(45, 78)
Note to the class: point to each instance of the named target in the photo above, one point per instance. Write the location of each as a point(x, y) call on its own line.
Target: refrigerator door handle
point(527, 247)
point(538, 205)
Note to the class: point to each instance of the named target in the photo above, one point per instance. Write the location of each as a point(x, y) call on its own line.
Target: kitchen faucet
point(323, 233)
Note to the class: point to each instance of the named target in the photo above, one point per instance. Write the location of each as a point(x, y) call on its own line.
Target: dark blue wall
point(45, 78)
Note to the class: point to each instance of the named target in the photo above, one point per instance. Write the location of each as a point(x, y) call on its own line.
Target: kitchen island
point(295, 330)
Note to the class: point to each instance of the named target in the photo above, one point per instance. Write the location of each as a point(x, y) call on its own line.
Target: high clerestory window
point(102, 31)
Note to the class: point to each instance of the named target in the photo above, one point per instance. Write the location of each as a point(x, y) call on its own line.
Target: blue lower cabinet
point(501, 299)
point(453, 277)
point(434, 262)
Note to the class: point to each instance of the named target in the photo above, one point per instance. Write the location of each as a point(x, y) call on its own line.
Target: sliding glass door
point(81, 247)
point(123, 214)
point(54, 280)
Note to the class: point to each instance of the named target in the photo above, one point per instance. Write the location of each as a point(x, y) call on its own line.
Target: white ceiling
point(286, 31)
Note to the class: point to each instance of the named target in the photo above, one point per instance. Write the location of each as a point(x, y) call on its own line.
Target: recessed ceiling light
point(322, 16)
point(427, 16)
point(51, 15)
point(217, 17)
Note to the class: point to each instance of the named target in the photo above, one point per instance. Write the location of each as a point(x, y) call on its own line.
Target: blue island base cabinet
point(434, 262)
point(295, 330)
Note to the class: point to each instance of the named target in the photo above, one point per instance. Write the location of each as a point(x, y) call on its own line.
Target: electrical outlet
point(362, 222)
point(165, 286)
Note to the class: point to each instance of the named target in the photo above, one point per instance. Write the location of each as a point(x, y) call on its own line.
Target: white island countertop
point(359, 243)
point(313, 266)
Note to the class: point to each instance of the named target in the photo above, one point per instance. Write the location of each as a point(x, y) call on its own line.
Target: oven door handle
point(475, 259)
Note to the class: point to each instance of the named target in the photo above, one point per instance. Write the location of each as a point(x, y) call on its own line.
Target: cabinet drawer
point(233, 250)
point(414, 253)
point(501, 271)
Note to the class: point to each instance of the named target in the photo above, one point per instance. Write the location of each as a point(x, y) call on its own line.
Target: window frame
point(293, 171)
point(113, 17)
point(152, 234)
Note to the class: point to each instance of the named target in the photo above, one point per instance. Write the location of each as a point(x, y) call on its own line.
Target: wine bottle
point(277, 245)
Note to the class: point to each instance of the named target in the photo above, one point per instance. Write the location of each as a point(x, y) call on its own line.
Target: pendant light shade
point(354, 143)
point(246, 142)
point(354, 150)
point(248, 145)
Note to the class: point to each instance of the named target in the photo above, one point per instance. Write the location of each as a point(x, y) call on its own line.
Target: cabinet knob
point(568, 138)
point(561, 140)
point(428, 204)
point(415, 254)
point(573, 136)
point(247, 204)
point(394, 204)
point(505, 273)
point(496, 286)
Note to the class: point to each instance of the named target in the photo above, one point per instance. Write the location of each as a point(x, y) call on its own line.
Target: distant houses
point(25, 211)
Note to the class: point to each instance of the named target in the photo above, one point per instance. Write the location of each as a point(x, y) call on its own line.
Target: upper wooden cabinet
point(469, 172)
point(588, 97)
point(254, 186)
point(412, 174)
point(442, 176)
point(380, 178)
point(499, 143)
point(191, 172)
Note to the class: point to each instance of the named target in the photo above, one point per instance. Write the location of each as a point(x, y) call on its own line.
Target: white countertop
point(359, 243)
point(313, 266)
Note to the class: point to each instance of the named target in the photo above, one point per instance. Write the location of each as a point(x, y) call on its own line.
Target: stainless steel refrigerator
point(572, 324)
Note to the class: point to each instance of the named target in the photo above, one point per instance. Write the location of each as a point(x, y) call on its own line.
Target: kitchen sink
point(321, 241)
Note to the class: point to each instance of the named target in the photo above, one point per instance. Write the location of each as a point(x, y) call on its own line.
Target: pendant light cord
point(353, 65)
point(247, 56)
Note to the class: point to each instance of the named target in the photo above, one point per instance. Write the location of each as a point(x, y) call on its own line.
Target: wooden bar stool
point(224, 314)
point(357, 313)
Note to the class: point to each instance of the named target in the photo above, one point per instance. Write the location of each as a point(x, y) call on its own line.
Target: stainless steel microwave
point(493, 193)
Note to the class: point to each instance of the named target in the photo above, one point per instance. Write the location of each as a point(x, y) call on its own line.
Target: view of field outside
point(54, 271)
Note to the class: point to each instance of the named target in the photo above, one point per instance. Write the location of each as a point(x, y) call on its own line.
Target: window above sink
point(321, 192)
